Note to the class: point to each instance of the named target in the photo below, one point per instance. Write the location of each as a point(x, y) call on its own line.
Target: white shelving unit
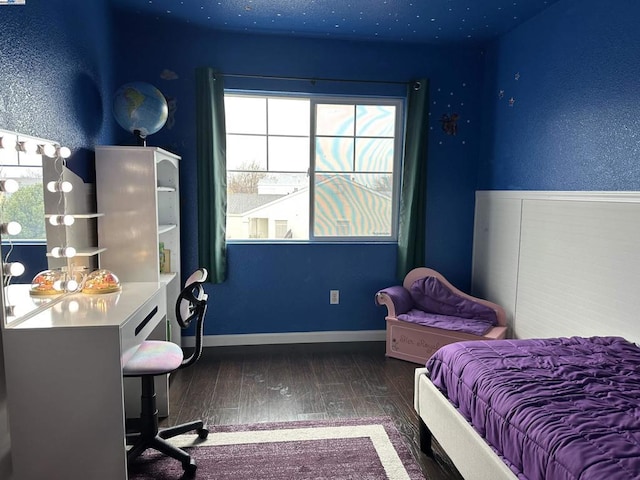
point(138, 192)
point(80, 203)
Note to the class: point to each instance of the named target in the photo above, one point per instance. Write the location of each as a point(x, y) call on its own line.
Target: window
point(26, 205)
point(281, 229)
point(312, 168)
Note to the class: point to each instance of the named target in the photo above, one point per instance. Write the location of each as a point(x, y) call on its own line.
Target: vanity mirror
point(44, 208)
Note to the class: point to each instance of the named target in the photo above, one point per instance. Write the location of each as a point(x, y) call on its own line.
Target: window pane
point(26, 205)
point(334, 154)
point(378, 182)
point(289, 116)
point(337, 120)
point(270, 140)
point(289, 154)
point(273, 201)
point(246, 152)
point(282, 229)
point(283, 183)
point(341, 204)
point(375, 120)
point(374, 155)
point(245, 114)
point(244, 182)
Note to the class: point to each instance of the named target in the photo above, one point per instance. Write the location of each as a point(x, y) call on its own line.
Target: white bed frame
point(468, 451)
point(562, 264)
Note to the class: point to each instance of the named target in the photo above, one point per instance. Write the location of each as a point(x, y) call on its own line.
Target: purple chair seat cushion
point(153, 357)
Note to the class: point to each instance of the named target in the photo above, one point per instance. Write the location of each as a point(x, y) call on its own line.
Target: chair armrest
point(397, 300)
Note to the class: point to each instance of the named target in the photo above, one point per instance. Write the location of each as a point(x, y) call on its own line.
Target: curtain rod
point(316, 79)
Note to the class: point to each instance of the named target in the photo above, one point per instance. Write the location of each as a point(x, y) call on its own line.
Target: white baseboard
point(284, 338)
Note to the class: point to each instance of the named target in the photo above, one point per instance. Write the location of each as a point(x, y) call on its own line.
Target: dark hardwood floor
point(271, 383)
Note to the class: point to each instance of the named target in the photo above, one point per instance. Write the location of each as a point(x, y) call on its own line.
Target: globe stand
point(141, 140)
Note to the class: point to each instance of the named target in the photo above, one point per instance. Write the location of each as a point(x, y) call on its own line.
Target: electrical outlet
point(334, 297)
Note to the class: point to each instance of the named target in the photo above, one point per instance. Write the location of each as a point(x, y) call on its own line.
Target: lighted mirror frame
point(22, 216)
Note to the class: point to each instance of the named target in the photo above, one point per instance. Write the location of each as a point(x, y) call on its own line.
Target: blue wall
point(285, 288)
point(575, 123)
point(55, 65)
point(572, 72)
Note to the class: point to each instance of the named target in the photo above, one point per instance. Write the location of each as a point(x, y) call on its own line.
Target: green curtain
point(413, 195)
point(212, 173)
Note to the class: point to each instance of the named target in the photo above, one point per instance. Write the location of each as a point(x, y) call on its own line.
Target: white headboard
point(560, 263)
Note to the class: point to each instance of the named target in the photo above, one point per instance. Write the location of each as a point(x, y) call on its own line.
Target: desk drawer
point(140, 325)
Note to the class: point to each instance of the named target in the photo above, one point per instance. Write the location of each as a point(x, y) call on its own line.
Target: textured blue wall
point(280, 288)
point(55, 65)
point(574, 73)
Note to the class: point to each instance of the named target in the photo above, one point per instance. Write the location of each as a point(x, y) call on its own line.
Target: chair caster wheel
point(203, 433)
point(190, 468)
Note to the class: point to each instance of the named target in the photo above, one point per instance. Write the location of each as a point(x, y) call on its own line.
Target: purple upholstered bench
point(426, 312)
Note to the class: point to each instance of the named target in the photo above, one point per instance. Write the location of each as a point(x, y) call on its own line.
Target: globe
point(140, 108)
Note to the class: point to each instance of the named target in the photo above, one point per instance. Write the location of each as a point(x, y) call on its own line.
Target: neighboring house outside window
point(312, 168)
point(281, 228)
point(342, 227)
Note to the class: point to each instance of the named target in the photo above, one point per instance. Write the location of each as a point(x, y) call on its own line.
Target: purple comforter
point(564, 408)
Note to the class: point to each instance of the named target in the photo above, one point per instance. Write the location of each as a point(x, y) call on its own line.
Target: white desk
point(64, 382)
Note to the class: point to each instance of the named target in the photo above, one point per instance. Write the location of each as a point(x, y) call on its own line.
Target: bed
point(555, 408)
point(562, 265)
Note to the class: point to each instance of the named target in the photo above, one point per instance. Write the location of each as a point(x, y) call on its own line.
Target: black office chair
point(159, 358)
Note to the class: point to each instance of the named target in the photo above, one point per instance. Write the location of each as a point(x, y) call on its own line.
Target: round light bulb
point(28, 146)
point(59, 186)
point(13, 269)
point(49, 150)
point(59, 252)
point(11, 228)
point(64, 152)
point(9, 185)
point(66, 285)
point(66, 220)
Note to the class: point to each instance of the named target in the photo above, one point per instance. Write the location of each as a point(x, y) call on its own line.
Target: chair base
point(150, 436)
point(139, 443)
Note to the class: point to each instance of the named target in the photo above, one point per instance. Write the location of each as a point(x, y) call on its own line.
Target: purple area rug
point(362, 449)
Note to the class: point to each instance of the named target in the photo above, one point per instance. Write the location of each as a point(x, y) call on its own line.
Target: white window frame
point(315, 99)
